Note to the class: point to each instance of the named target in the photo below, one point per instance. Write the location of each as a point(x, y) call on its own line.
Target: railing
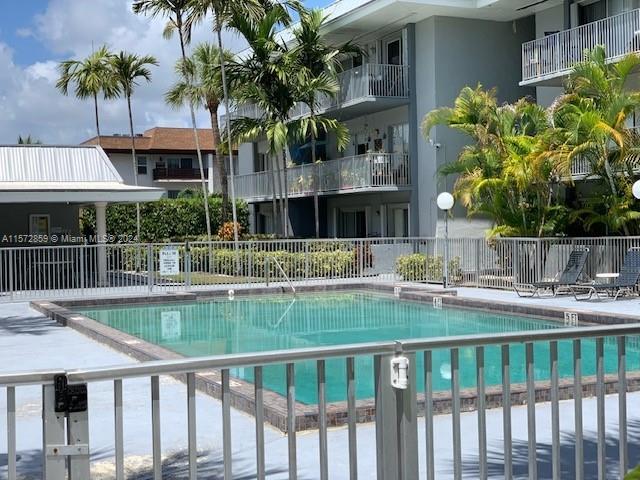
point(369, 171)
point(556, 54)
point(77, 271)
point(178, 173)
point(366, 81)
point(597, 363)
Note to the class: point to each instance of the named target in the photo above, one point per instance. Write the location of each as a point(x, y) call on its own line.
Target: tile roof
point(157, 139)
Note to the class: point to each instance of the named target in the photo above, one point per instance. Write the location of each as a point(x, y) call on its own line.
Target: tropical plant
point(28, 140)
point(91, 77)
point(319, 65)
point(590, 123)
point(502, 174)
point(129, 69)
point(221, 12)
point(266, 78)
point(200, 85)
point(175, 11)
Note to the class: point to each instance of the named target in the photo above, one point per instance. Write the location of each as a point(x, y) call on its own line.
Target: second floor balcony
point(364, 89)
point(361, 173)
point(547, 60)
point(182, 174)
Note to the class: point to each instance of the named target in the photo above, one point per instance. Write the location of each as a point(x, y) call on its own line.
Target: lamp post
point(445, 203)
point(636, 189)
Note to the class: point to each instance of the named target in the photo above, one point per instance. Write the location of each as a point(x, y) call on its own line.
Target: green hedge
point(334, 259)
point(419, 267)
point(166, 219)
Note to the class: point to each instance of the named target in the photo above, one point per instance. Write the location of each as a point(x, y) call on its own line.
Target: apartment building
point(419, 55)
point(165, 158)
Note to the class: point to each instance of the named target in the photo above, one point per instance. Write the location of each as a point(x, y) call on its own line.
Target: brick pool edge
point(275, 405)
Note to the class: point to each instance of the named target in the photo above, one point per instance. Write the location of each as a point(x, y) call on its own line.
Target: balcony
point(178, 174)
point(362, 173)
point(546, 60)
point(364, 89)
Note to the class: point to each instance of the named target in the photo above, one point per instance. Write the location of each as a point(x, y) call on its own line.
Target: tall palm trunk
point(316, 180)
point(203, 184)
point(135, 179)
point(218, 160)
point(95, 106)
point(286, 193)
point(225, 92)
point(274, 200)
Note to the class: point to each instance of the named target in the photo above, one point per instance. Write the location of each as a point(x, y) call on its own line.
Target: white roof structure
point(69, 174)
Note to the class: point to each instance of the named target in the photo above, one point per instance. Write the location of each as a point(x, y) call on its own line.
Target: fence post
point(53, 465)
point(478, 257)
point(267, 266)
point(78, 435)
point(396, 421)
point(150, 267)
point(82, 249)
point(187, 266)
point(11, 271)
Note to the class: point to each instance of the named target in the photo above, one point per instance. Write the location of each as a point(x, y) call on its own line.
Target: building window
point(399, 138)
point(39, 224)
point(173, 193)
point(142, 165)
point(352, 223)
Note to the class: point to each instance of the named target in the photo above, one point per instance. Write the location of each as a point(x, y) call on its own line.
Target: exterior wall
point(547, 21)
point(376, 205)
point(123, 164)
point(453, 53)
point(63, 219)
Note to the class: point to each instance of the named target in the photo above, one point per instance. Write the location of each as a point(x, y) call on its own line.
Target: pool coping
point(275, 404)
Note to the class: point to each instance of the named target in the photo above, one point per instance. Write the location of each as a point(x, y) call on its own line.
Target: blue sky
point(36, 34)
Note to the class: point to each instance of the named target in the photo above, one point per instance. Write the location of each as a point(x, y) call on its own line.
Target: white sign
point(169, 261)
point(170, 325)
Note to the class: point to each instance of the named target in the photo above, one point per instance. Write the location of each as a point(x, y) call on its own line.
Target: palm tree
point(222, 11)
point(267, 78)
point(590, 122)
point(175, 10)
point(201, 85)
point(317, 79)
point(502, 174)
point(129, 69)
point(28, 140)
point(91, 76)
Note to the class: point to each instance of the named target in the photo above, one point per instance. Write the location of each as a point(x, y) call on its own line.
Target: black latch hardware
point(69, 398)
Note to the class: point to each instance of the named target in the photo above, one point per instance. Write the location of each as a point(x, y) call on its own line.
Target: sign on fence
point(169, 261)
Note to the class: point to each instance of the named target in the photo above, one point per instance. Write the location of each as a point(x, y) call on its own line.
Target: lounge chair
point(625, 283)
point(568, 277)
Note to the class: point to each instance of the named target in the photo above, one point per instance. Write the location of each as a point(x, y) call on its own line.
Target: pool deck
point(28, 340)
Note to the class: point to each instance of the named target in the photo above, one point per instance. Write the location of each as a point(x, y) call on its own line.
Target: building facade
point(166, 158)
point(419, 55)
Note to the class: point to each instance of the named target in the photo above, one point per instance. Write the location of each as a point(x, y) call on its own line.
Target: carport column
point(101, 233)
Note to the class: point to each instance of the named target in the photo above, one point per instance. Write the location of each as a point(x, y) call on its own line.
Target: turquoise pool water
point(262, 323)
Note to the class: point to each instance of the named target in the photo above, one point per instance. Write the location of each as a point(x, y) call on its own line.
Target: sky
point(35, 35)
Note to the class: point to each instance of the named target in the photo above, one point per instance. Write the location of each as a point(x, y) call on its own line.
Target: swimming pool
point(263, 323)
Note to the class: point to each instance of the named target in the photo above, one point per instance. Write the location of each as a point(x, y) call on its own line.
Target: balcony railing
point(178, 173)
point(362, 172)
point(555, 55)
point(358, 84)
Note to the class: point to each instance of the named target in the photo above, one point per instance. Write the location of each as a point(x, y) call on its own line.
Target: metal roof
point(45, 163)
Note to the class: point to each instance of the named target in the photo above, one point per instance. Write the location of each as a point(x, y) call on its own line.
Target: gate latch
point(69, 398)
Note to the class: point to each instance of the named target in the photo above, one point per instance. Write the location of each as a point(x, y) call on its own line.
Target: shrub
point(418, 267)
point(163, 220)
point(226, 232)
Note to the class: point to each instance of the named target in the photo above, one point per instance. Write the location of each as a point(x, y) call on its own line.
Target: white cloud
point(29, 102)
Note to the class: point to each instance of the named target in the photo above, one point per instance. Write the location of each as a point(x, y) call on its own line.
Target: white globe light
point(636, 189)
point(445, 201)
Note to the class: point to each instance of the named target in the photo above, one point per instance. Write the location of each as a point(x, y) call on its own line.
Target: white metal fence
point(556, 54)
point(396, 454)
point(113, 269)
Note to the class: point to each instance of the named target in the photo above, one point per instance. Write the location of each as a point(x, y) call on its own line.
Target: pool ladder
point(286, 277)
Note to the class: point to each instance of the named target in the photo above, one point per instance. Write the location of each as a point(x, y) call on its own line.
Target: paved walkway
point(29, 341)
